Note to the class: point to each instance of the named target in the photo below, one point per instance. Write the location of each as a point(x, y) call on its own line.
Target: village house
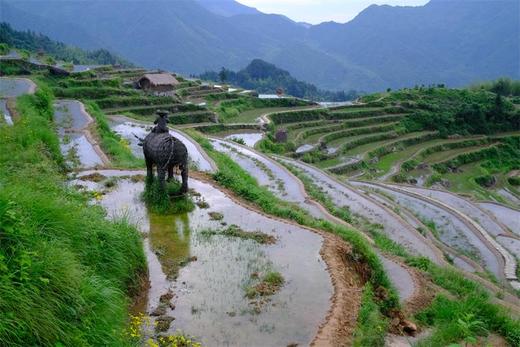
point(158, 83)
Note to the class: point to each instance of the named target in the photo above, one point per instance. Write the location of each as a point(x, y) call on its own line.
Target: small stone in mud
point(215, 215)
point(172, 306)
point(292, 345)
point(223, 224)
point(254, 275)
point(163, 323)
point(165, 298)
point(231, 314)
point(159, 310)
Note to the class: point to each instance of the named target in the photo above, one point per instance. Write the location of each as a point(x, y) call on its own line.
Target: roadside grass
point(66, 272)
point(232, 176)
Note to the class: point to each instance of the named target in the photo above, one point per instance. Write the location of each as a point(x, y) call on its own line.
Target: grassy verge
point(65, 270)
point(232, 176)
point(112, 144)
point(469, 304)
point(371, 326)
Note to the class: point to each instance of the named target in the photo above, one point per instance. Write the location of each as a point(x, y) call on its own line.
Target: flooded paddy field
point(72, 121)
point(207, 273)
point(359, 204)
point(249, 138)
point(508, 216)
point(451, 230)
point(13, 87)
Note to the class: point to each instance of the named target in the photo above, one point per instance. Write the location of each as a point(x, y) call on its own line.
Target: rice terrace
point(301, 215)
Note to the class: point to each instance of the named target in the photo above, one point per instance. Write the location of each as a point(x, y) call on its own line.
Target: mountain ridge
point(449, 42)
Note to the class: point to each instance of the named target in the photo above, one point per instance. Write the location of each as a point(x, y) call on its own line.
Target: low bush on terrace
point(64, 269)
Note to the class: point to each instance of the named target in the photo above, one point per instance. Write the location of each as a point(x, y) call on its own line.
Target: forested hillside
point(267, 78)
point(35, 42)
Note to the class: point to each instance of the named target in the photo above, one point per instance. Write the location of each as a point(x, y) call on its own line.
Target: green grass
point(116, 148)
point(371, 324)
point(65, 270)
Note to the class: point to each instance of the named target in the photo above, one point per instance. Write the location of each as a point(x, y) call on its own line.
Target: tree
point(222, 75)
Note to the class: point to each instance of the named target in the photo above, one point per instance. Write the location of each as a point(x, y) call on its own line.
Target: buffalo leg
point(170, 173)
point(149, 170)
point(184, 175)
point(161, 173)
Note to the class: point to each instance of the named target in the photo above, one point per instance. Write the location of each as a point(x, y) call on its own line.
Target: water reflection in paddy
point(5, 112)
point(452, 231)
point(507, 216)
point(343, 196)
point(13, 87)
point(209, 292)
point(250, 139)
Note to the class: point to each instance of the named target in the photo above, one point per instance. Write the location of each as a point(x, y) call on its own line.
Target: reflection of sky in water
point(250, 139)
point(12, 87)
point(507, 216)
point(5, 112)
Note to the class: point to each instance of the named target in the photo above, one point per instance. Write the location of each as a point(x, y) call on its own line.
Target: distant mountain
point(268, 79)
point(227, 8)
point(455, 42)
point(36, 43)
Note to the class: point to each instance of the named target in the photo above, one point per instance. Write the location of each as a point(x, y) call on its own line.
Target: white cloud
point(317, 11)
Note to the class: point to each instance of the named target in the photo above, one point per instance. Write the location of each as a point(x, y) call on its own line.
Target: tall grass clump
point(371, 325)
point(66, 273)
point(167, 200)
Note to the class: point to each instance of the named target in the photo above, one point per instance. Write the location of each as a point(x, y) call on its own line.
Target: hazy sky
point(317, 11)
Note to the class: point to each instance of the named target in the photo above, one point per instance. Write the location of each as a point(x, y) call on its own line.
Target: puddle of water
point(84, 151)
point(463, 206)
point(507, 216)
point(13, 87)
point(452, 231)
point(6, 114)
point(209, 292)
point(68, 114)
point(304, 148)
point(127, 130)
point(250, 139)
point(342, 196)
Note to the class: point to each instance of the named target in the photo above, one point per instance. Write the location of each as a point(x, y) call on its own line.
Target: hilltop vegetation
point(33, 42)
point(454, 111)
point(268, 79)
